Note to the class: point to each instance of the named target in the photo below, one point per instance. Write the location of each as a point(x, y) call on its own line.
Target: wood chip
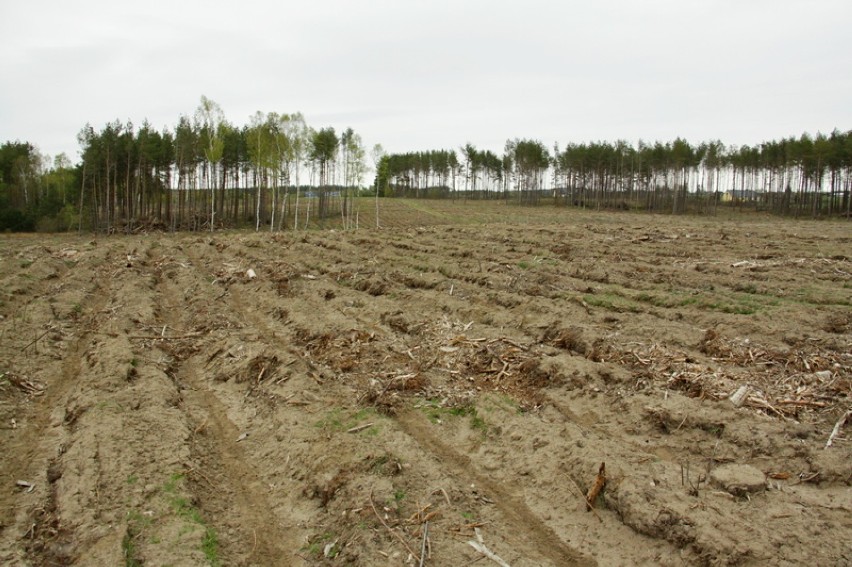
point(595, 490)
point(738, 397)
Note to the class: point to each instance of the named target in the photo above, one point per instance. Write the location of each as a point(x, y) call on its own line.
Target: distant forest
point(277, 173)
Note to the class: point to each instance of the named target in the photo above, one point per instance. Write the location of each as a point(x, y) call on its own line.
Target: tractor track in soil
point(465, 375)
point(225, 484)
point(528, 533)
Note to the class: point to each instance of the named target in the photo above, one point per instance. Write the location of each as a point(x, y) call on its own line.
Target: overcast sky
point(418, 74)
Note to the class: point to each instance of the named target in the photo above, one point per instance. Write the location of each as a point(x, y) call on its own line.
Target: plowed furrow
point(230, 494)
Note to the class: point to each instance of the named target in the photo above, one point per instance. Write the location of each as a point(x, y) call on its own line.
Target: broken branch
point(480, 546)
point(595, 490)
point(837, 426)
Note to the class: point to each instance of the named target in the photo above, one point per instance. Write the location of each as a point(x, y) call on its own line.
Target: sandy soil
point(447, 376)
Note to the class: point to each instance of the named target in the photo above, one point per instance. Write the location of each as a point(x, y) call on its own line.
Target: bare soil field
point(442, 391)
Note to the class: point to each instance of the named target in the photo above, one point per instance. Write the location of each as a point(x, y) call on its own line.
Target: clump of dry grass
point(570, 339)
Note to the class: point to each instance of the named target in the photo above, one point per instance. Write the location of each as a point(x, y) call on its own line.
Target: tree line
point(204, 173)
point(808, 175)
point(276, 173)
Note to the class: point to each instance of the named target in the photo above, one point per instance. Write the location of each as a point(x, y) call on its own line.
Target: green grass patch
point(503, 402)
point(737, 303)
point(339, 420)
point(185, 509)
point(170, 487)
point(613, 302)
point(128, 548)
point(438, 414)
point(746, 302)
point(136, 525)
point(210, 547)
point(815, 296)
point(316, 545)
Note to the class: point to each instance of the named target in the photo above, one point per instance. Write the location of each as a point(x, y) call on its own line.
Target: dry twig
point(358, 428)
point(423, 544)
point(479, 545)
point(391, 530)
point(837, 426)
point(37, 339)
point(161, 338)
point(444, 492)
point(583, 496)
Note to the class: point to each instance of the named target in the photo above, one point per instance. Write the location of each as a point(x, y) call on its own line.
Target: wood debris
point(808, 377)
point(837, 426)
point(597, 486)
point(391, 530)
point(424, 543)
point(479, 545)
point(358, 428)
point(27, 386)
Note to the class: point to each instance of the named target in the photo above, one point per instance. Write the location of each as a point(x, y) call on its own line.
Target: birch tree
point(211, 118)
point(377, 154)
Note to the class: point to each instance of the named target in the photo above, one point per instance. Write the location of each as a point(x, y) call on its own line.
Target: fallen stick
point(837, 426)
point(160, 338)
point(444, 492)
point(388, 528)
point(803, 403)
point(201, 427)
point(502, 372)
point(480, 546)
point(37, 339)
point(514, 344)
point(360, 428)
point(473, 525)
point(417, 516)
point(423, 544)
point(583, 496)
point(282, 379)
point(763, 404)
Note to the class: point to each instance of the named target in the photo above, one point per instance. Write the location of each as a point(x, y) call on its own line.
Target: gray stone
point(739, 480)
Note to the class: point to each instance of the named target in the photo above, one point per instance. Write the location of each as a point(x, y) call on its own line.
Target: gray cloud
point(412, 74)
